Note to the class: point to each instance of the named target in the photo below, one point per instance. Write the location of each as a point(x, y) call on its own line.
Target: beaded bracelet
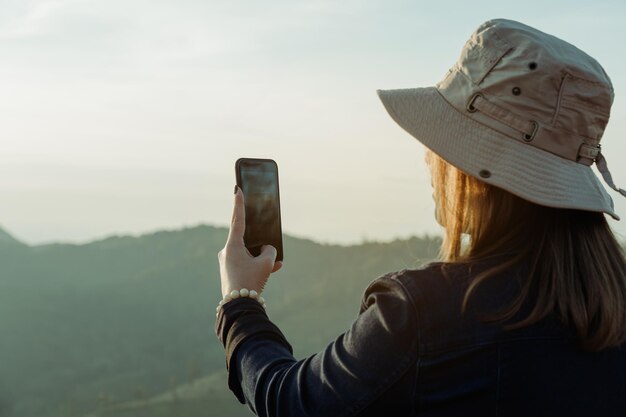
point(239, 293)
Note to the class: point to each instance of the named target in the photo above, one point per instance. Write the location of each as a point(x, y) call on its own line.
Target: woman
point(525, 318)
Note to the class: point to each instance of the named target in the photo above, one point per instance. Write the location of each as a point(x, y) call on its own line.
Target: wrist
point(240, 293)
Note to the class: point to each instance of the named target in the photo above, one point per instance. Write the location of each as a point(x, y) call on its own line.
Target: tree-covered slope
point(107, 327)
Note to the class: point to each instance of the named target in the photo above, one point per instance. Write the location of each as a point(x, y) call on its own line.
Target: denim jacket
point(410, 352)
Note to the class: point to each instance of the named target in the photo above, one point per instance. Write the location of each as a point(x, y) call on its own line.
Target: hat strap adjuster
point(586, 150)
point(470, 103)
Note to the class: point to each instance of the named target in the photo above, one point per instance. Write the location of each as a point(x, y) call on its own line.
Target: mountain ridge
point(7, 238)
point(117, 237)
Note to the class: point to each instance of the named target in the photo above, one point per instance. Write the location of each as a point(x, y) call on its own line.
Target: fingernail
point(235, 190)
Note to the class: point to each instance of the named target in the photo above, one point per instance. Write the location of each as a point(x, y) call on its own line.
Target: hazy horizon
point(363, 240)
point(127, 116)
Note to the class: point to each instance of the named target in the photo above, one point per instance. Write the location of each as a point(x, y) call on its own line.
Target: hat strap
point(571, 146)
point(606, 174)
point(586, 151)
point(479, 102)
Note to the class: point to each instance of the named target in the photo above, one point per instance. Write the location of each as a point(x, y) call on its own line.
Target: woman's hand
point(238, 268)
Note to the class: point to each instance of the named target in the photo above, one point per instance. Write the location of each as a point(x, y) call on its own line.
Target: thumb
point(268, 252)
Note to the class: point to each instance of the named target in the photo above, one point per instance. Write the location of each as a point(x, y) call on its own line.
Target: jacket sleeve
point(349, 374)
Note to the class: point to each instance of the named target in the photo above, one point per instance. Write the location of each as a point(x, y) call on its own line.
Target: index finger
point(238, 222)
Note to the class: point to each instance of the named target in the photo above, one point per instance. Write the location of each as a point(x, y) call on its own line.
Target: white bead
point(243, 292)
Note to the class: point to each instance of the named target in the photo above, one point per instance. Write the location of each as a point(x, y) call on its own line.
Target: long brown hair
point(577, 266)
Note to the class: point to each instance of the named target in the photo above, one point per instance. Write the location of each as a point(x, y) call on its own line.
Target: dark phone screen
point(259, 182)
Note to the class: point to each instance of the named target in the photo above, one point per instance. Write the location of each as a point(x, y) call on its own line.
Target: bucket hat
point(520, 109)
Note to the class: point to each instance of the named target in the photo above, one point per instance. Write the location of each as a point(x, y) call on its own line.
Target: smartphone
point(258, 179)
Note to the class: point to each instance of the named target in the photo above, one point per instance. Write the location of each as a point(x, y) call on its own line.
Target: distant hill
point(7, 239)
point(124, 326)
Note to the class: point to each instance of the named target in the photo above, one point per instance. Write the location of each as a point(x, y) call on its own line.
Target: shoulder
point(435, 292)
point(430, 277)
point(394, 296)
point(437, 281)
point(402, 284)
point(440, 286)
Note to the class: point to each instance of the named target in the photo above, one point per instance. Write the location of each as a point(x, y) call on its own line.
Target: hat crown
point(538, 76)
point(522, 110)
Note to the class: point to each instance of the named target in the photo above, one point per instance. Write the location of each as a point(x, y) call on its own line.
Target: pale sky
point(127, 116)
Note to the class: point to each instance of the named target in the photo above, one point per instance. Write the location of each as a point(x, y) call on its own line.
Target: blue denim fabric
point(411, 352)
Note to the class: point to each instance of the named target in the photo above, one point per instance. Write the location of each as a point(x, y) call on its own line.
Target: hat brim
point(524, 170)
